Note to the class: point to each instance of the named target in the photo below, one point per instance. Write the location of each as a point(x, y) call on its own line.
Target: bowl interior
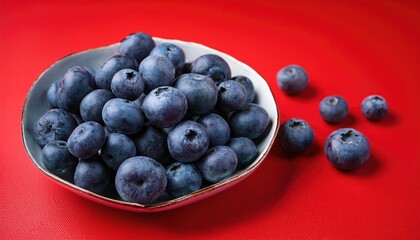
point(36, 104)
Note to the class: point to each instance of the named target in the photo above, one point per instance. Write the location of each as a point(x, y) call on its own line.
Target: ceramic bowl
point(36, 104)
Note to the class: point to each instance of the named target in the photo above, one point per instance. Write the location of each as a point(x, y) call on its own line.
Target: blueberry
point(186, 69)
point(201, 92)
point(333, 109)
point(232, 96)
point(92, 104)
point(117, 148)
point(249, 86)
point(137, 46)
point(218, 163)
point(374, 107)
point(141, 180)
point(92, 174)
point(217, 128)
point(213, 66)
point(165, 106)
point(157, 71)
point(173, 52)
point(292, 79)
point(245, 150)
point(122, 116)
point(75, 85)
point(152, 142)
point(251, 122)
point(86, 140)
point(296, 135)
point(58, 160)
point(127, 84)
point(183, 178)
point(347, 149)
point(188, 141)
point(114, 64)
point(55, 124)
point(52, 93)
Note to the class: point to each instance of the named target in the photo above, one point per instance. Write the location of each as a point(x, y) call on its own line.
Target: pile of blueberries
point(345, 148)
point(148, 125)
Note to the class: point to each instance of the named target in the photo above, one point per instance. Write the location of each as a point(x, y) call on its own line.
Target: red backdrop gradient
point(349, 48)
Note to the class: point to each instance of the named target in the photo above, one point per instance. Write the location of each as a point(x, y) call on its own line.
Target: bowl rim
point(172, 203)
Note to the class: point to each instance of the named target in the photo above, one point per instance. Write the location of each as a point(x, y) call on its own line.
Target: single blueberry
point(245, 150)
point(75, 85)
point(141, 180)
point(183, 178)
point(127, 84)
point(165, 106)
point(201, 92)
point(92, 104)
point(188, 141)
point(55, 124)
point(86, 140)
point(333, 109)
point(251, 122)
point(213, 66)
point(92, 174)
point(292, 79)
point(152, 142)
point(117, 148)
point(374, 107)
point(156, 71)
point(296, 135)
point(114, 64)
point(249, 86)
point(122, 116)
point(232, 96)
point(217, 128)
point(173, 52)
point(347, 149)
point(218, 163)
point(137, 46)
point(52, 93)
point(58, 160)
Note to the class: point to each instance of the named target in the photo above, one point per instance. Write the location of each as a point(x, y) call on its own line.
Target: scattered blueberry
point(92, 174)
point(296, 135)
point(292, 79)
point(86, 140)
point(245, 150)
point(251, 122)
point(137, 46)
point(333, 109)
point(218, 163)
point(217, 128)
point(92, 104)
point(374, 107)
point(117, 148)
point(122, 116)
point(58, 160)
point(183, 178)
point(213, 66)
point(127, 84)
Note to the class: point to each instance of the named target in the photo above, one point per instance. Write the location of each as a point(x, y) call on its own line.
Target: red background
point(350, 48)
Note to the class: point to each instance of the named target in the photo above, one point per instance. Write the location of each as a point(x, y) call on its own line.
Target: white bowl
point(36, 104)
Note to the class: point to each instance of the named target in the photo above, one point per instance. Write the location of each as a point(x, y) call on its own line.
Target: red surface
point(350, 48)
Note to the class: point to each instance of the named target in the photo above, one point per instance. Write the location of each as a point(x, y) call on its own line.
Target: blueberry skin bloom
point(250, 122)
point(201, 92)
point(296, 135)
point(188, 141)
point(213, 66)
point(249, 86)
point(117, 148)
point(152, 142)
point(347, 149)
point(157, 71)
point(173, 53)
point(58, 160)
point(92, 104)
point(374, 107)
point(92, 175)
point(137, 46)
point(333, 109)
point(232, 96)
point(122, 116)
point(245, 150)
point(114, 64)
point(217, 128)
point(218, 163)
point(165, 106)
point(292, 79)
point(75, 85)
point(86, 140)
point(141, 180)
point(127, 84)
point(183, 178)
point(55, 124)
